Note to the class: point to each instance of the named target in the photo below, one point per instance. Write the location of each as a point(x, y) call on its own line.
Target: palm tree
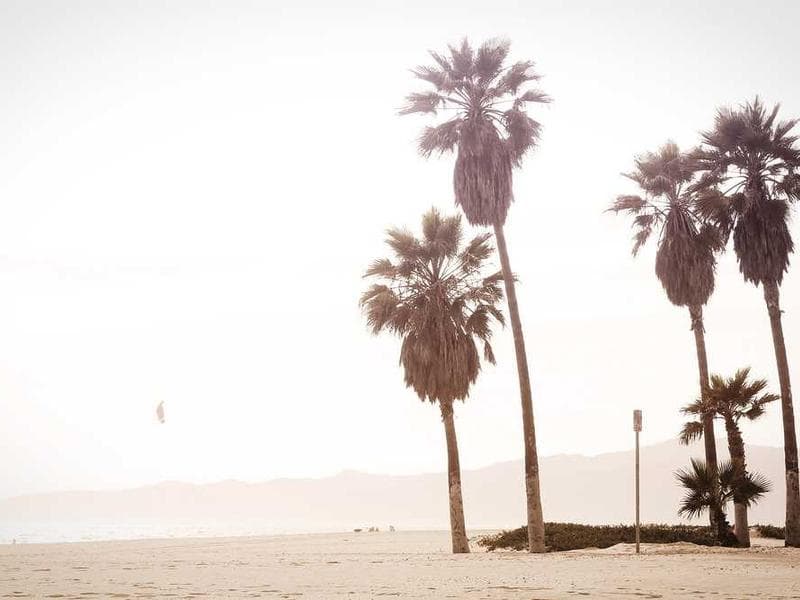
point(711, 489)
point(750, 165)
point(685, 260)
point(730, 399)
point(489, 130)
point(434, 296)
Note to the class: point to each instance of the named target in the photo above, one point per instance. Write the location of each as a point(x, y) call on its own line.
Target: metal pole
point(637, 427)
point(637, 492)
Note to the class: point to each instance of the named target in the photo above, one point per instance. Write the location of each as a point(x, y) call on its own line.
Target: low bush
point(771, 531)
point(572, 536)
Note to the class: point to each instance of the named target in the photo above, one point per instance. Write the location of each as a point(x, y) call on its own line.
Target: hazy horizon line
point(343, 471)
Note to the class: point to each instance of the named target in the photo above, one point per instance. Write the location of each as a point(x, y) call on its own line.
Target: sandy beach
point(361, 566)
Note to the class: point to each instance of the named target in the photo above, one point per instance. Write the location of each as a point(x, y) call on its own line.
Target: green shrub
point(572, 536)
point(771, 531)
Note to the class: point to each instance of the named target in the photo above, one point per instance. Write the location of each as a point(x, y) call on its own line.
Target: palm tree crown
point(435, 297)
point(685, 260)
point(488, 125)
point(750, 166)
point(733, 399)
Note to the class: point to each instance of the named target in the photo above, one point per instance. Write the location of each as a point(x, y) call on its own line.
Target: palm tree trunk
point(740, 525)
point(458, 530)
point(736, 450)
point(696, 313)
point(709, 440)
point(723, 532)
point(534, 502)
point(772, 298)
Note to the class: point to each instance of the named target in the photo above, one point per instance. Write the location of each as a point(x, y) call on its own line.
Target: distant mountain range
point(575, 488)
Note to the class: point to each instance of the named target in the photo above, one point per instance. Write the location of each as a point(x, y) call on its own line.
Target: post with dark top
point(637, 427)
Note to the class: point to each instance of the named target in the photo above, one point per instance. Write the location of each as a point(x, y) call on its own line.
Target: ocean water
point(86, 530)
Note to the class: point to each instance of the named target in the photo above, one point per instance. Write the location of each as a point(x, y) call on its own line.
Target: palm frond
point(442, 138)
point(758, 406)
point(381, 267)
point(752, 488)
point(692, 430)
point(490, 58)
point(379, 303)
point(698, 407)
point(442, 235)
point(462, 59)
point(515, 77)
point(523, 133)
point(699, 482)
point(404, 244)
point(628, 203)
point(715, 207)
point(482, 179)
point(478, 323)
point(422, 102)
point(488, 353)
point(640, 239)
point(534, 96)
point(437, 76)
point(763, 243)
point(476, 251)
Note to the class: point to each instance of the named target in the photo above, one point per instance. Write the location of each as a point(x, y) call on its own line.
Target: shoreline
point(443, 531)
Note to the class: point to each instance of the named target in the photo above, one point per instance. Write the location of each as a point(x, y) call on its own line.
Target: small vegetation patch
point(771, 531)
point(572, 536)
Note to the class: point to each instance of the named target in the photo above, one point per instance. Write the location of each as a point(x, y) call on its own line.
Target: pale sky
point(190, 191)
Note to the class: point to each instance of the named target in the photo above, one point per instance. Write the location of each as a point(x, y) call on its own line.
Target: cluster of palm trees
point(436, 295)
point(738, 183)
point(439, 310)
point(730, 400)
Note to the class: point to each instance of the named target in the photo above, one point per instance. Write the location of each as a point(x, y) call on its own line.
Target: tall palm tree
point(487, 126)
point(435, 297)
point(731, 400)
point(712, 488)
point(685, 259)
point(751, 172)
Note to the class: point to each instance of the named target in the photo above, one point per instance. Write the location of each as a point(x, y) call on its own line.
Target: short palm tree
point(731, 400)
point(490, 131)
point(435, 297)
point(685, 259)
point(711, 489)
point(751, 172)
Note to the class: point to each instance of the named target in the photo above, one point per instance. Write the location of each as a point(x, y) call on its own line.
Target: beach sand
point(361, 566)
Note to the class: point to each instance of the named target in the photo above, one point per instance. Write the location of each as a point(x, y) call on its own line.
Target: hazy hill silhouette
point(576, 488)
